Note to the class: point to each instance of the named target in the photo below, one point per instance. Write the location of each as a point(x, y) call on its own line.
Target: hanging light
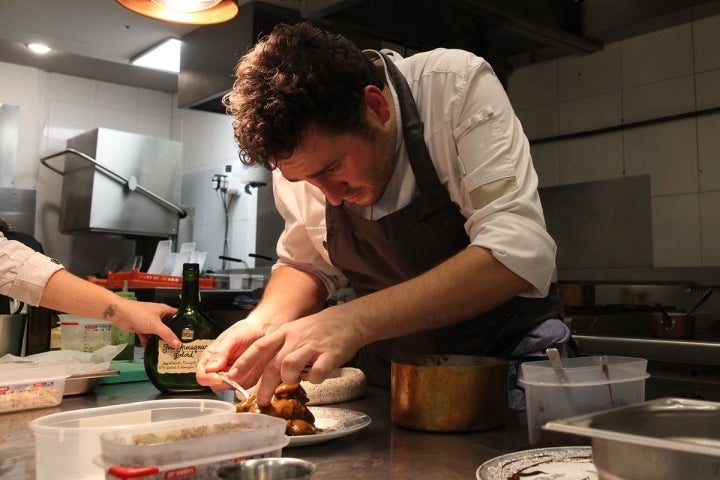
point(197, 12)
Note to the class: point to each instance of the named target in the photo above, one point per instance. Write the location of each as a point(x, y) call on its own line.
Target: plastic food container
point(67, 443)
point(30, 386)
point(584, 385)
point(192, 449)
point(84, 334)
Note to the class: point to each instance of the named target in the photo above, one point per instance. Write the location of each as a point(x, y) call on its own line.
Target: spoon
point(224, 377)
point(702, 300)
point(554, 357)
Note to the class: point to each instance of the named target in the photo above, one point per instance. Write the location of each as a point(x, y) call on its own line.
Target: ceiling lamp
point(196, 12)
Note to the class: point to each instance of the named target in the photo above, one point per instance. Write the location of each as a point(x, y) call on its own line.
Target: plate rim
point(532, 451)
point(300, 440)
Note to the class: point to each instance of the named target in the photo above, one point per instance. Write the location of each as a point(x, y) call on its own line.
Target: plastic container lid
point(584, 371)
point(12, 373)
point(172, 442)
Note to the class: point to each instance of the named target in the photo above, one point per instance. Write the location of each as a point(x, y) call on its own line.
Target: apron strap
point(412, 130)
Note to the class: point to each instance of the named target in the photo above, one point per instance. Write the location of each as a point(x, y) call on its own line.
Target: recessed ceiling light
point(39, 48)
point(163, 56)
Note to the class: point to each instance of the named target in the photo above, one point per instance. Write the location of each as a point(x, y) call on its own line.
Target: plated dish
point(557, 463)
point(334, 422)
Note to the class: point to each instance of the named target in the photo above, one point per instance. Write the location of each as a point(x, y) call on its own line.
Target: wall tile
point(707, 86)
point(589, 113)
point(116, 119)
point(709, 153)
point(539, 122)
point(659, 99)
point(582, 76)
point(117, 97)
point(154, 125)
point(534, 85)
point(68, 119)
point(668, 152)
point(153, 103)
point(598, 157)
point(546, 159)
point(710, 228)
point(705, 36)
point(207, 139)
point(69, 89)
point(657, 56)
point(676, 231)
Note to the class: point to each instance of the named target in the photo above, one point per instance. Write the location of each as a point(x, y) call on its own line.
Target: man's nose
point(334, 192)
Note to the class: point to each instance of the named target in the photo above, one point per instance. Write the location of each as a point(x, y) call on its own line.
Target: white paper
point(78, 362)
point(180, 259)
point(161, 253)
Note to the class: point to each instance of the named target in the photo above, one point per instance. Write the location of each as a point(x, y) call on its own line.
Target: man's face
point(347, 167)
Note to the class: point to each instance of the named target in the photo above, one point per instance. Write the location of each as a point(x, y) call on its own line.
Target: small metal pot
point(449, 393)
point(673, 325)
point(271, 468)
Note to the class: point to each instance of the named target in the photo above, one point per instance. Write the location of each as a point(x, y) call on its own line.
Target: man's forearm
point(290, 294)
point(465, 286)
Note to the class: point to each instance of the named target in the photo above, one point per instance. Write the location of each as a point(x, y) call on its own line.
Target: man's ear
point(377, 103)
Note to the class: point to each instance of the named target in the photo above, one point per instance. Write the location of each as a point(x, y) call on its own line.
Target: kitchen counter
point(380, 451)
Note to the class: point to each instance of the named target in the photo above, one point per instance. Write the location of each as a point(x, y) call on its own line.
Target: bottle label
point(179, 360)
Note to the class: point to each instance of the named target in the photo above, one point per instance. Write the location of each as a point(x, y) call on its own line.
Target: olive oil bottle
point(173, 370)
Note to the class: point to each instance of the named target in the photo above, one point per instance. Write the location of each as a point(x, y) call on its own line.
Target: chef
point(410, 176)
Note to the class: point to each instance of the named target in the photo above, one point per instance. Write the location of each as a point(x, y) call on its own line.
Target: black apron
point(376, 254)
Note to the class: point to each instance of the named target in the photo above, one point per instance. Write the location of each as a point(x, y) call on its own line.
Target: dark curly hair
point(297, 76)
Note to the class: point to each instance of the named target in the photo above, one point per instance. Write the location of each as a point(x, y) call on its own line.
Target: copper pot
point(673, 325)
point(449, 393)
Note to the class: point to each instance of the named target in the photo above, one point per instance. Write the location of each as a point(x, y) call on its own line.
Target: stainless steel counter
point(380, 451)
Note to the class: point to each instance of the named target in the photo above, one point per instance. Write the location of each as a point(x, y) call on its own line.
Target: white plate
point(557, 463)
point(335, 422)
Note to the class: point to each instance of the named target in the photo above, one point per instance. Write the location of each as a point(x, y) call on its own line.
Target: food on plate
point(290, 403)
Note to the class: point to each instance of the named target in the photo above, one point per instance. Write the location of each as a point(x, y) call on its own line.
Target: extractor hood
point(210, 53)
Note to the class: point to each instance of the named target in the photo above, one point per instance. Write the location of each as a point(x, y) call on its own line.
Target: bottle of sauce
point(173, 370)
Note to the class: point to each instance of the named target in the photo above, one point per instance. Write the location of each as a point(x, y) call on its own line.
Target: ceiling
point(97, 38)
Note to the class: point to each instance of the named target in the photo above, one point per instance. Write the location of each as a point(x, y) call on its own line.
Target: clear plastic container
point(30, 386)
point(199, 446)
point(67, 443)
point(584, 385)
point(84, 334)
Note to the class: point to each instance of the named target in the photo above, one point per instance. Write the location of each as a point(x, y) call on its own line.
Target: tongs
point(224, 377)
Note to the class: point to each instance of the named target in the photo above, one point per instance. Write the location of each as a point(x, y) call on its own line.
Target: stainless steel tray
point(85, 383)
point(663, 438)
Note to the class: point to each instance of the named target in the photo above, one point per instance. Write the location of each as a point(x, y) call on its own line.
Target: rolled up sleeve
point(24, 272)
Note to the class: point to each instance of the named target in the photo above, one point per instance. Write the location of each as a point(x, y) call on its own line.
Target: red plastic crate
point(137, 279)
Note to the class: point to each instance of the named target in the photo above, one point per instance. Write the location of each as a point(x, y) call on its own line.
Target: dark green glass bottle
point(173, 370)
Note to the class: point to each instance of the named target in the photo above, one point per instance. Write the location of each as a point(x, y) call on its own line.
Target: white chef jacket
point(480, 154)
point(23, 271)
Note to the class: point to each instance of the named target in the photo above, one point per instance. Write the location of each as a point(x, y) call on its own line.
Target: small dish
point(560, 463)
point(335, 423)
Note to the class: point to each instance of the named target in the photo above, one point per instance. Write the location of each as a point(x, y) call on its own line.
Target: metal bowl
point(449, 393)
point(271, 468)
point(664, 438)
point(84, 383)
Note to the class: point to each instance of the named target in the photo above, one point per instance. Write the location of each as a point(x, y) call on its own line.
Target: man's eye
point(332, 169)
